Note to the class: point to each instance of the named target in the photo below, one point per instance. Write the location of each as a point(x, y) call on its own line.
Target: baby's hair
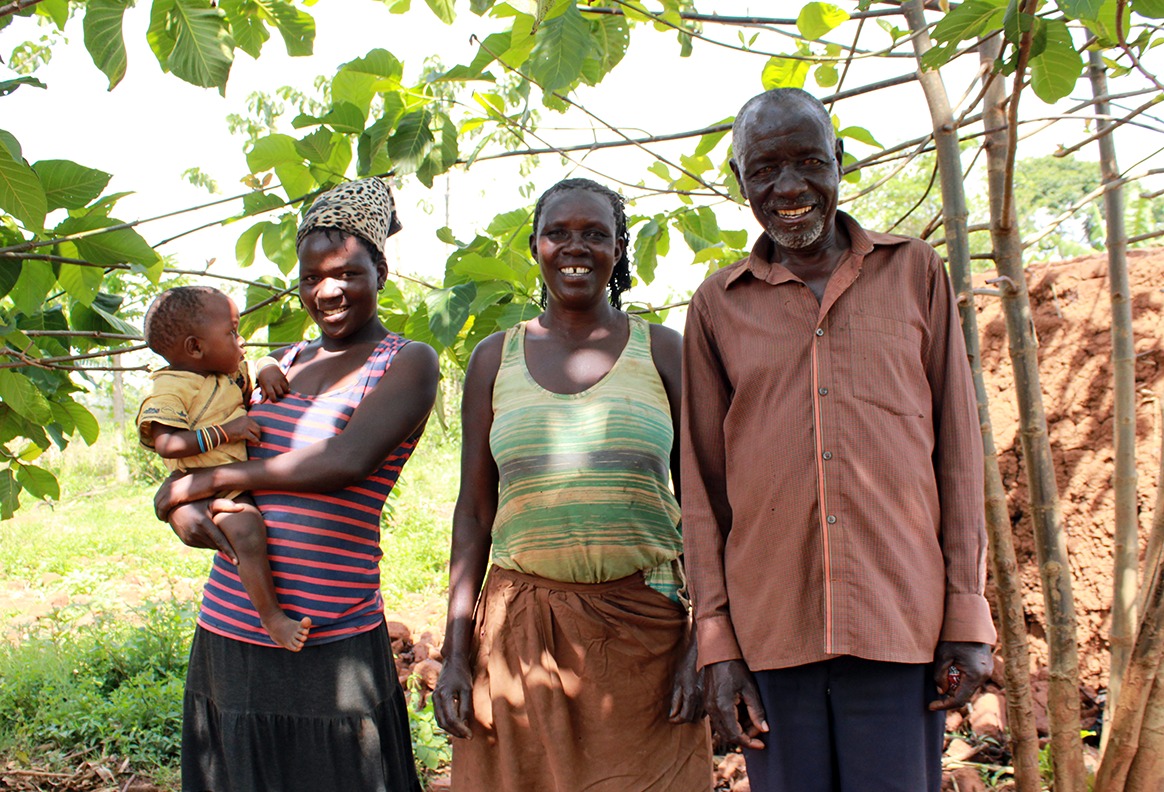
point(334, 235)
point(173, 315)
point(620, 279)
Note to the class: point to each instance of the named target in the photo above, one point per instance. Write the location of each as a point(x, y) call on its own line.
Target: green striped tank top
point(584, 494)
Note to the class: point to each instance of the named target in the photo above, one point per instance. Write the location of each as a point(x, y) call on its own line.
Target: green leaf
point(272, 150)
point(1055, 71)
point(516, 312)
point(244, 249)
point(246, 25)
point(290, 327)
point(861, 134)
point(448, 310)
point(611, 37)
point(258, 202)
point(8, 86)
point(479, 7)
point(826, 75)
point(969, 20)
point(192, 40)
point(700, 228)
point(38, 482)
point(361, 79)
point(409, 144)
point(784, 73)
point(122, 246)
point(9, 495)
point(315, 147)
point(32, 286)
point(1081, 9)
point(279, 243)
point(81, 283)
point(104, 38)
point(647, 248)
point(1153, 9)
point(344, 117)
point(816, 19)
point(56, 10)
point(708, 142)
point(9, 142)
point(484, 268)
point(9, 274)
point(68, 185)
point(83, 420)
point(21, 194)
point(562, 44)
point(18, 392)
point(295, 179)
point(296, 26)
point(101, 316)
point(443, 9)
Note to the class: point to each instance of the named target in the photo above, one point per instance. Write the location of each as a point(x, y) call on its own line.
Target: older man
point(832, 481)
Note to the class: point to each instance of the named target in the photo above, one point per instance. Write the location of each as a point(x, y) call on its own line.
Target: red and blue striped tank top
point(324, 547)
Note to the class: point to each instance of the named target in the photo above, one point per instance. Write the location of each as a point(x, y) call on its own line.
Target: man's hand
point(243, 428)
point(728, 685)
point(272, 382)
point(452, 700)
point(974, 663)
point(687, 687)
point(194, 525)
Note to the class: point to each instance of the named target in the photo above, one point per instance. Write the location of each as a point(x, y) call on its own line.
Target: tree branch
point(708, 130)
point(1107, 130)
point(16, 7)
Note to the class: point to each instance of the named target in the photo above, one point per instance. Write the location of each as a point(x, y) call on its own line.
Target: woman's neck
point(371, 333)
point(574, 323)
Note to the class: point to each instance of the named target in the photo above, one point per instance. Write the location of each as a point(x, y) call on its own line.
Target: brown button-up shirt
point(832, 461)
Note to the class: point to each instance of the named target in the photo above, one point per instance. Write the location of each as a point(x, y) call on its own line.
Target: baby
point(195, 416)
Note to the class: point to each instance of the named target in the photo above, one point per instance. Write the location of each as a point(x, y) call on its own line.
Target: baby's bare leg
point(248, 535)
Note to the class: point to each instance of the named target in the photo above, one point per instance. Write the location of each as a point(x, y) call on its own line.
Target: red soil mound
point(1071, 305)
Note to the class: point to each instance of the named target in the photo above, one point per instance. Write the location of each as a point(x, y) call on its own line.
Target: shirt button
point(831, 519)
point(827, 455)
point(820, 331)
point(823, 391)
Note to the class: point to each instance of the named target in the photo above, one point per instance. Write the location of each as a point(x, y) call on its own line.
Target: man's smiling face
point(787, 161)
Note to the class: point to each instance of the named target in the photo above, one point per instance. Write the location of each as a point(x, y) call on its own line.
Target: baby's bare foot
point(287, 632)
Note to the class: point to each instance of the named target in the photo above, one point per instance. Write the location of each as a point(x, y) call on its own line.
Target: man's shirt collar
point(758, 265)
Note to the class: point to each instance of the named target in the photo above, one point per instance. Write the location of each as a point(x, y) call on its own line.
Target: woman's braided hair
point(620, 279)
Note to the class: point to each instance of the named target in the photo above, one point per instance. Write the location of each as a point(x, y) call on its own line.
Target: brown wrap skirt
point(571, 690)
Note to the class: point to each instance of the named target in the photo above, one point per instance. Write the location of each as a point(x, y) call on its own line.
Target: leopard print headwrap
point(363, 208)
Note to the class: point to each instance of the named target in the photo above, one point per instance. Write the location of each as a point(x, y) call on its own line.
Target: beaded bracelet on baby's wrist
point(210, 437)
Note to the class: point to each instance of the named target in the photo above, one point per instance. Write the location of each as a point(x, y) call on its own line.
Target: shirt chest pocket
point(885, 365)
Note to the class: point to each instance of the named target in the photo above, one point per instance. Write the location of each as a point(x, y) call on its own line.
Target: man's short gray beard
point(797, 240)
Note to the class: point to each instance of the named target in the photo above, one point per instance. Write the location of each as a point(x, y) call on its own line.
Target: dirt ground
point(1071, 307)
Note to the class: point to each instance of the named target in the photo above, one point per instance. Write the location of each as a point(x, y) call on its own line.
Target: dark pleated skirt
point(331, 717)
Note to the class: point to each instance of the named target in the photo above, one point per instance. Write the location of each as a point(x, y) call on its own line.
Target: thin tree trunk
point(1024, 737)
point(121, 469)
point(1147, 771)
point(1046, 518)
point(1129, 716)
point(1156, 538)
point(1126, 544)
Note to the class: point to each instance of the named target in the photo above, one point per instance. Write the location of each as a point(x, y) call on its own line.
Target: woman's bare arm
point(472, 533)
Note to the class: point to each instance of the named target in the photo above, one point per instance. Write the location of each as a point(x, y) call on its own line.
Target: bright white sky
point(152, 127)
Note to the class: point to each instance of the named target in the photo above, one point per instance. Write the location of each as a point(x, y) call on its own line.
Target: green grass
point(97, 603)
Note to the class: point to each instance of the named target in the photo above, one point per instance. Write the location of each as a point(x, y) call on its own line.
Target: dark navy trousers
point(848, 725)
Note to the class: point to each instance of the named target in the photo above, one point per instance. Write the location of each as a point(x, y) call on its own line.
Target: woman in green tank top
point(574, 669)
